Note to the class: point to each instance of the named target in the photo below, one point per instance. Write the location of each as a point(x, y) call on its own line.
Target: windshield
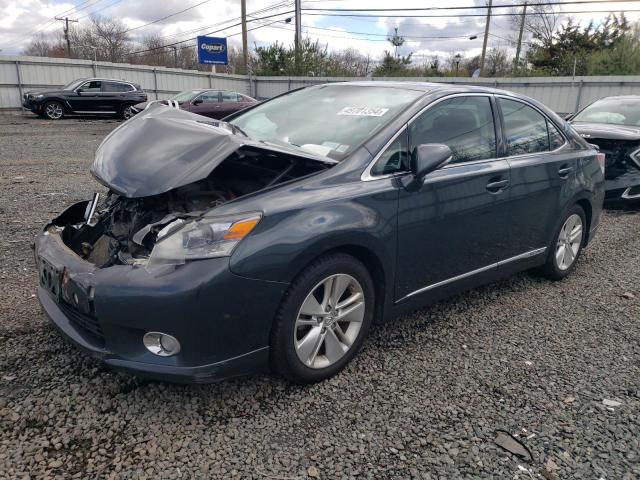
point(72, 85)
point(185, 96)
point(615, 111)
point(328, 120)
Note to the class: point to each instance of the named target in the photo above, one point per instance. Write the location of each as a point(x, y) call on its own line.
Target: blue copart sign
point(212, 51)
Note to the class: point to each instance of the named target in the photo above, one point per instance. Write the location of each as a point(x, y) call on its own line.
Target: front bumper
point(30, 104)
point(624, 187)
point(222, 320)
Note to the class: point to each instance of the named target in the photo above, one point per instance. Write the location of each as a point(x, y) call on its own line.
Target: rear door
point(86, 97)
point(231, 102)
point(454, 226)
point(543, 175)
point(113, 96)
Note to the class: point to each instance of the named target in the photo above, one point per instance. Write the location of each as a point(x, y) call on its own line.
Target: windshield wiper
point(235, 128)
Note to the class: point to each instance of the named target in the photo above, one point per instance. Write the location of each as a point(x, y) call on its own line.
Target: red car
point(209, 103)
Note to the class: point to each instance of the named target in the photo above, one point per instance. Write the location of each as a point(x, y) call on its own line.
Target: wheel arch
point(371, 260)
point(588, 213)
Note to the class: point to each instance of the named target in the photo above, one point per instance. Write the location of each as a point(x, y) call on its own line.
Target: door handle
point(497, 186)
point(564, 171)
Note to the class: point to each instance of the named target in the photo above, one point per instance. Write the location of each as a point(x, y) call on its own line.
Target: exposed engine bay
point(120, 230)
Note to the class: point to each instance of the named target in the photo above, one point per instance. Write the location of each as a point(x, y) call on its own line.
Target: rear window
point(116, 87)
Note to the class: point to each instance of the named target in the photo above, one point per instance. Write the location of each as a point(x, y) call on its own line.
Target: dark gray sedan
point(275, 239)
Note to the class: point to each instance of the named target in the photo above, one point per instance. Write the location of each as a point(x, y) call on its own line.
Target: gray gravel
point(424, 399)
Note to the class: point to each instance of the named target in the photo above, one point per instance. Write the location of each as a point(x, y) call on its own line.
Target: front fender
point(285, 243)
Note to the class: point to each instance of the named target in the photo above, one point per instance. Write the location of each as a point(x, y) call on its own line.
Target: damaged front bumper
point(624, 187)
point(221, 320)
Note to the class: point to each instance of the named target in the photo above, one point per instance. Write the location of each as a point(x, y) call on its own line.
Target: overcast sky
point(20, 19)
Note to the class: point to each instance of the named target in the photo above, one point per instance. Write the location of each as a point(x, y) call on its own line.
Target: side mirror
point(79, 91)
point(197, 101)
point(425, 159)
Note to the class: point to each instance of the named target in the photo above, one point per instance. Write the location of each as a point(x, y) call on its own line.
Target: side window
point(230, 97)
point(209, 97)
point(464, 124)
point(116, 87)
point(556, 140)
point(394, 158)
point(524, 128)
point(92, 86)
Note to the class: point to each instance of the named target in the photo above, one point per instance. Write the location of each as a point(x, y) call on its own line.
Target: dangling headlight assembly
point(204, 238)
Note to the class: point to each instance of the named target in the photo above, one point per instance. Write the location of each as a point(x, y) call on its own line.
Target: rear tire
point(566, 247)
point(125, 112)
point(53, 110)
point(323, 320)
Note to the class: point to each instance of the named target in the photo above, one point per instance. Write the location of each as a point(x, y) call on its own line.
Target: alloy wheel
point(569, 241)
point(126, 112)
point(54, 110)
point(329, 321)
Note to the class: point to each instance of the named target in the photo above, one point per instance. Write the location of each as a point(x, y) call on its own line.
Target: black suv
point(86, 95)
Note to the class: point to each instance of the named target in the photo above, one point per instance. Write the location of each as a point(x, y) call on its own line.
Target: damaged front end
point(162, 210)
point(168, 170)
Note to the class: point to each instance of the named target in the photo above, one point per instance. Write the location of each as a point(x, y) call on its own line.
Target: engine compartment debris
point(121, 230)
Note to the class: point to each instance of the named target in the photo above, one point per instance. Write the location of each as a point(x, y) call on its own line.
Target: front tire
point(53, 110)
point(324, 319)
point(566, 247)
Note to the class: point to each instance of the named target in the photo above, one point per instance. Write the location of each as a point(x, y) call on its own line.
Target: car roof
point(430, 87)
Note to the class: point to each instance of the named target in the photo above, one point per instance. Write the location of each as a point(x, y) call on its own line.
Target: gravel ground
point(424, 399)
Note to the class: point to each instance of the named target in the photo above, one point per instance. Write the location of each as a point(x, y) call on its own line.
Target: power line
point(461, 15)
point(429, 37)
point(474, 7)
point(100, 9)
point(167, 16)
point(208, 33)
point(49, 22)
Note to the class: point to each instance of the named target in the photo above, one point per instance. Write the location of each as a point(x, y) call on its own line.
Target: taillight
point(600, 157)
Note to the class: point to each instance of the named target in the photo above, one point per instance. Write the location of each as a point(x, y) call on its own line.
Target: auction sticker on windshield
point(363, 111)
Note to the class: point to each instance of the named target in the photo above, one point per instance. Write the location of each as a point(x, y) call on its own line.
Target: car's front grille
point(87, 323)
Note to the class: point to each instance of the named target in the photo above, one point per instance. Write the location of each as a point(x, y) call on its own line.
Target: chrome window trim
point(564, 137)
point(522, 256)
point(366, 175)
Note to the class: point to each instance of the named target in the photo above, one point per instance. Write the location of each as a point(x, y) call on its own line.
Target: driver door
point(454, 226)
point(207, 104)
point(86, 97)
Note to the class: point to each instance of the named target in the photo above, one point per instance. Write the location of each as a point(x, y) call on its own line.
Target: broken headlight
point(204, 238)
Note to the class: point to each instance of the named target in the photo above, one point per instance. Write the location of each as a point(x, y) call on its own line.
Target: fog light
point(161, 344)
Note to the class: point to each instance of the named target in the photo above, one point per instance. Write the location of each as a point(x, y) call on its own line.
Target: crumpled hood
point(164, 148)
point(607, 131)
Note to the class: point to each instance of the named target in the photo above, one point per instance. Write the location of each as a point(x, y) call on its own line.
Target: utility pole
point(175, 56)
point(298, 37)
point(519, 47)
point(245, 48)
point(486, 37)
point(65, 29)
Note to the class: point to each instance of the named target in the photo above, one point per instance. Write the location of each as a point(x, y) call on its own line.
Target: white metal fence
point(20, 74)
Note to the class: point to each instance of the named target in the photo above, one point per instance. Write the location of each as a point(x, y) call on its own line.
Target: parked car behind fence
point(209, 103)
point(86, 96)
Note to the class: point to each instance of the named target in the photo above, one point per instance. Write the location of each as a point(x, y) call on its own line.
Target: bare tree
point(541, 21)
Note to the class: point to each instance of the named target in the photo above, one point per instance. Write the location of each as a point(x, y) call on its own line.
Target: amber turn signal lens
point(241, 229)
